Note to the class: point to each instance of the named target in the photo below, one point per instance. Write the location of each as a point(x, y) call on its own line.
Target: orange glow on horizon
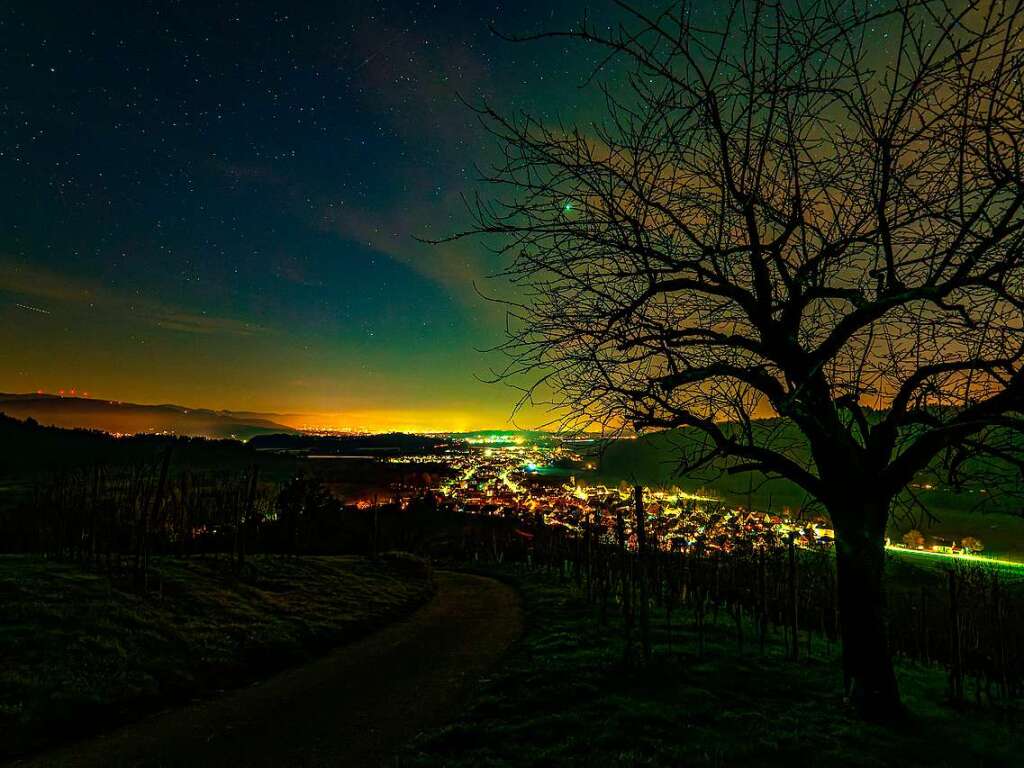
point(399, 420)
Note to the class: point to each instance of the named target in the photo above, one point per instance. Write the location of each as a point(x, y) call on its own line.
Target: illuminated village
point(539, 483)
point(507, 475)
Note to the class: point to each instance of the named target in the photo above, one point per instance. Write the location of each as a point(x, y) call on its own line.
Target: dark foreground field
point(564, 697)
point(79, 652)
point(85, 652)
point(353, 707)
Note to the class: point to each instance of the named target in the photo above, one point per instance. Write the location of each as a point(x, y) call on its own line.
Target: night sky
point(214, 204)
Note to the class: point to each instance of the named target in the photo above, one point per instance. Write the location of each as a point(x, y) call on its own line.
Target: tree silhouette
point(808, 211)
point(913, 538)
point(972, 544)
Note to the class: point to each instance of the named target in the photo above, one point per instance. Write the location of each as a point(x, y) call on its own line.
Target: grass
point(78, 651)
point(1012, 569)
point(564, 697)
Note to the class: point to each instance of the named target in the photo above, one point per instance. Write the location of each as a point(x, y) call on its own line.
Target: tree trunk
point(867, 663)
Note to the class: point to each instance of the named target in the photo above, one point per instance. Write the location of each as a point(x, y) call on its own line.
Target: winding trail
point(353, 707)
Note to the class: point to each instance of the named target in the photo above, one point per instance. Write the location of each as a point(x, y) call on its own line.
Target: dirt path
point(350, 708)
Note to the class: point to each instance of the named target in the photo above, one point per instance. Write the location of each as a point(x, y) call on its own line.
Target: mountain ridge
point(119, 417)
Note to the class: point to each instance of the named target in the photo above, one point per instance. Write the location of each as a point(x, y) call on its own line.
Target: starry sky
point(214, 204)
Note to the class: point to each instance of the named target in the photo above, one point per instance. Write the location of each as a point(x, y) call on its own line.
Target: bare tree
point(797, 233)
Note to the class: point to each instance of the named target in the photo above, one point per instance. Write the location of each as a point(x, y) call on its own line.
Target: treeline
point(30, 451)
point(116, 517)
point(391, 443)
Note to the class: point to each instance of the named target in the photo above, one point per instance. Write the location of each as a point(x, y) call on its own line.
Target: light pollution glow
point(425, 421)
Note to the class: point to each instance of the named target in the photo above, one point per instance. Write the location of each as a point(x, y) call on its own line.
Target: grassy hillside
point(565, 698)
point(654, 460)
point(81, 652)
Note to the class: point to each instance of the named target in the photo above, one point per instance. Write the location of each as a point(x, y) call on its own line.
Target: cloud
point(202, 323)
point(29, 280)
point(463, 268)
point(288, 267)
point(412, 78)
point(393, 232)
point(42, 286)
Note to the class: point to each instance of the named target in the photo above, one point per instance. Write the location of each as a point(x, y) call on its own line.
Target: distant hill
point(395, 443)
point(654, 460)
point(132, 418)
point(29, 450)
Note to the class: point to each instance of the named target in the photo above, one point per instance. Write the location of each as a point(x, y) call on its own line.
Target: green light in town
point(567, 208)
